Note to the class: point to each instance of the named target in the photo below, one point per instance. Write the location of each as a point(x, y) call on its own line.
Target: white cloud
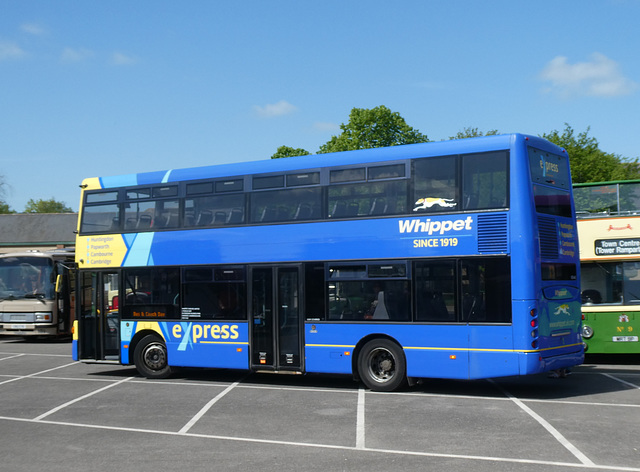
point(75, 55)
point(9, 50)
point(33, 28)
point(121, 59)
point(276, 109)
point(600, 77)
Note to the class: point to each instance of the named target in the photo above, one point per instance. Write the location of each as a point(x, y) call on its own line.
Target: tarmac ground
point(61, 415)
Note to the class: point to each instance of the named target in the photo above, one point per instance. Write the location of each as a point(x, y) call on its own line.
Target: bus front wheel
point(150, 358)
point(382, 366)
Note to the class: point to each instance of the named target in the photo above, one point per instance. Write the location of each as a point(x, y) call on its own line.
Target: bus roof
point(440, 148)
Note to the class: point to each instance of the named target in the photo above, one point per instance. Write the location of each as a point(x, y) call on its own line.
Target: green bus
point(609, 235)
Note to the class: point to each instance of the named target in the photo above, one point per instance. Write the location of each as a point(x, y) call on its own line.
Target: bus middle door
point(275, 318)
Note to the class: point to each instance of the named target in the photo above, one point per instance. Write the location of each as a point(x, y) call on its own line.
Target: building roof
point(37, 229)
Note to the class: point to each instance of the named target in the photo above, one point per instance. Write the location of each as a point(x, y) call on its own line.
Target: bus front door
point(99, 320)
point(276, 332)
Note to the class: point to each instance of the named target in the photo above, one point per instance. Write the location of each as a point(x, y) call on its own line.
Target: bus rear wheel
point(150, 358)
point(382, 366)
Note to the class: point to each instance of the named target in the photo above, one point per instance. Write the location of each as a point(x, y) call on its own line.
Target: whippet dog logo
point(562, 310)
point(428, 202)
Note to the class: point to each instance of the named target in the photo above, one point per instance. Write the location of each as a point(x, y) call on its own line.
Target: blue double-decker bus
point(453, 259)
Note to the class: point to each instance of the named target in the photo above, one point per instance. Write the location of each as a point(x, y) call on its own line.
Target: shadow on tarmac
point(37, 339)
point(583, 382)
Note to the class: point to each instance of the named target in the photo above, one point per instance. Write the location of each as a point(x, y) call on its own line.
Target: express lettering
point(549, 166)
point(206, 332)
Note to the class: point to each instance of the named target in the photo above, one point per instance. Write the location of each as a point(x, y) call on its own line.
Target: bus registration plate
point(625, 339)
point(18, 326)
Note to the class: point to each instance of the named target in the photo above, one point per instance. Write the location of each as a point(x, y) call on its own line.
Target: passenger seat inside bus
point(204, 218)
point(378, 207)
point(380, 313)
point(144, 222)
point(303, 212)
point(339, 210)
point(220, 218)
point(236, 216)
point(432, 307)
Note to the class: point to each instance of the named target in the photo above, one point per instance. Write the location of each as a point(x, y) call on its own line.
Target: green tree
point(286, 151)
point(588, 162)
point(470, 132)
point(46, 206)
point(5, 209)
point(372, 128)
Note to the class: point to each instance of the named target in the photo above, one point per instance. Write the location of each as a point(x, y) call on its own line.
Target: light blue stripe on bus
point(140, 251)
point(186, 338)
point(119, 181)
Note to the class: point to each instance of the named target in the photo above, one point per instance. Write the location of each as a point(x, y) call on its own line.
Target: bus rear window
point(552, 201)
point(549, 169)
point(555, 271)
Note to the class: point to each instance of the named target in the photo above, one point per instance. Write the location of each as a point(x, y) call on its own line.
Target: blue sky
point(115, 87)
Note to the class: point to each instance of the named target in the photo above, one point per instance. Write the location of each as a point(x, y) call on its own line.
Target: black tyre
point(150, 357)
point(382, 366)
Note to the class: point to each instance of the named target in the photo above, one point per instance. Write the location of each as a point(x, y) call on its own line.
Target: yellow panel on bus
point(100, 251)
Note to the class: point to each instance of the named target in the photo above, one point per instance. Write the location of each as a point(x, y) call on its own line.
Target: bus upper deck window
point(387, 172)
point(236, 185)
point(171, 191)
point(200, 188)
point(101, 197)
point(307, 178)
point(347, 175)
point(273, 181)
point(139, 193)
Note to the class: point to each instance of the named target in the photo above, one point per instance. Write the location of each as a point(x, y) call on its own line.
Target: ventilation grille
point(492, 233)
point(548, 237)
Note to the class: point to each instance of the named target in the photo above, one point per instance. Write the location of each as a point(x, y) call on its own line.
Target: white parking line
point(11, 357)
point(76, 400)
point(37, 373)
point(546, 425)
point(632, 385)
point(333, 446)
point(583, 462)
point(360, 418)
point(526, 400)
point(36, 355)
point(185, 429)
point(569, 402)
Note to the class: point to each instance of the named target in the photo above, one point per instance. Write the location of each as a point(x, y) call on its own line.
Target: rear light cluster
point(534, 328)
